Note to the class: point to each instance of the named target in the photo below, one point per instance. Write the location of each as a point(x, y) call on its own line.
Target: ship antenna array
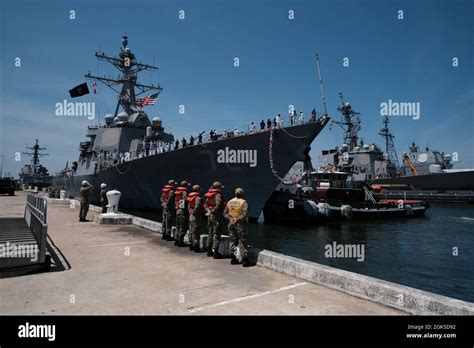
point(350, 123)
point(129, 68)
point(321, 85)
point(389, 144)
point(35, 155)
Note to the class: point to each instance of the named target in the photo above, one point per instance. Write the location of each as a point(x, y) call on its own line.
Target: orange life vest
point(166, 192)
point(211, 198)
point(192, 200)
point(179, 197)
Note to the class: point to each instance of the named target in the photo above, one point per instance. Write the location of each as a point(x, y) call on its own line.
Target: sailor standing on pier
point(103, 197)
point(84, 193)
point(236, 212)
point(167, 203)
point(214, 206)
point(195, 209)
point(180, 196)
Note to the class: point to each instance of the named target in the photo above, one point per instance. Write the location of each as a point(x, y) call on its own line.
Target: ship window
point(422, 157)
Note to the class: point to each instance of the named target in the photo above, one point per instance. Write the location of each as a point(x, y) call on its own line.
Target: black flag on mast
point(79, 90)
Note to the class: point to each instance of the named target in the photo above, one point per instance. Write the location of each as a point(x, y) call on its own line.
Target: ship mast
point(389, 145)
point(35, 156)
point(129, 68)
point(350, 123)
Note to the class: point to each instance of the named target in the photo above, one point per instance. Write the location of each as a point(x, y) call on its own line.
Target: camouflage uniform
point(214, 225)
point(103, 200)
point(84, 193)
point(195, 223)
point(168, 214)
point(181, 220)
point(236, 212)
point(238, 231)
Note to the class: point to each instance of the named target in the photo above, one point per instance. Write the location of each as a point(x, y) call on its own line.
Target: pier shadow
point(59, 262)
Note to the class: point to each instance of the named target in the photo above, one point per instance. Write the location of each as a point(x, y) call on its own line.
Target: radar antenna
point(389, 146)
point(129, 68)
point(35, 156)
point(350, 123)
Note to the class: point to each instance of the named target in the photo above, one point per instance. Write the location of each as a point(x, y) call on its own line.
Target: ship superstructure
point(35, 174)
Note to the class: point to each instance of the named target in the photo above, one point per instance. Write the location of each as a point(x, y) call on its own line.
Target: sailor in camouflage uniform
point(84, 193)
point(236, 212)
point(214, 206)
point(167, 204)
point(195, 209)
point(103, 197)
point(180, 196)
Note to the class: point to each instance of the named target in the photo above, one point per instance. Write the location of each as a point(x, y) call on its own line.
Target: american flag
point(149, 100)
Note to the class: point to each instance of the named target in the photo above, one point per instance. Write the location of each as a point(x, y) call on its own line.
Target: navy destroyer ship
point(35, 174)
point(431, 170)
point(136, 156)
point(423, 170)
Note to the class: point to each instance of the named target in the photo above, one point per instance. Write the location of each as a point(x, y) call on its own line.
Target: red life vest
point(166, 192)
point(211, 198)
point(192, 200)
point(179, 197)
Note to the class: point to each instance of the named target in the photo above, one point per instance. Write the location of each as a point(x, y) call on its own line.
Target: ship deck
point(112, 269)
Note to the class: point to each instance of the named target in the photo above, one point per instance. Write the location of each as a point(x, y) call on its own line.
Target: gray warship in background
point(130, 153)
point(429, 170)
point(35, 174)
point(421, 170)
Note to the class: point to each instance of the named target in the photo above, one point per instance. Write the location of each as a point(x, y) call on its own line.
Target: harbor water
point(419, 252)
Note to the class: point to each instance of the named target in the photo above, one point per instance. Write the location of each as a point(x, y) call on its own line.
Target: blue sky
point(407, 60)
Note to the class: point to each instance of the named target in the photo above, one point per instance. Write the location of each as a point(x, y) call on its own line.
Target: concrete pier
point(129, 269)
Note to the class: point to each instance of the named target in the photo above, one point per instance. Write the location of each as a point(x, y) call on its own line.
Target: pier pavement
point(126, 269)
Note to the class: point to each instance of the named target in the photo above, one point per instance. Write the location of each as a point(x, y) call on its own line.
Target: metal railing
point(35, 217)
point(428, 193)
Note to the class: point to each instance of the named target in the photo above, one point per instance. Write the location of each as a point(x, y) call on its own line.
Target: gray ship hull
point(454, 181)
point(140, 181)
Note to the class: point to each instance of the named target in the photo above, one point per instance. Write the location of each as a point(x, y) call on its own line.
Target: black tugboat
point(137, 157)
point(325, 196)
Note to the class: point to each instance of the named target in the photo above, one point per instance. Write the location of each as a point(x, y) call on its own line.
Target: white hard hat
point(84, 183)
point(103, 185)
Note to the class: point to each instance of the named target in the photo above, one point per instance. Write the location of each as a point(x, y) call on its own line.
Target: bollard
point(113, 197)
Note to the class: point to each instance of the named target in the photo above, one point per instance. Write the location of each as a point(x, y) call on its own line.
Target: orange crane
point(410, 164)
